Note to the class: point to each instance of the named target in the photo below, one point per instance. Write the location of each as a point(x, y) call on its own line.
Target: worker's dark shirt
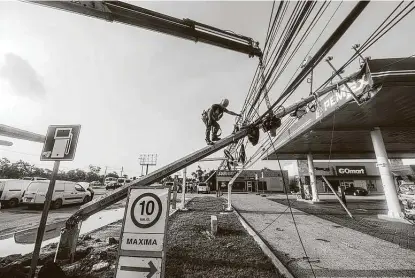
point(216, 111)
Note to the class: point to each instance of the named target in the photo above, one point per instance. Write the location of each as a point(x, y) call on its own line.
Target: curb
point(264, 246)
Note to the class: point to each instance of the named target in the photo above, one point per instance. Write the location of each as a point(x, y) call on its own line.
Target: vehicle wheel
point(86, 199)
point(57, 204)
point(13, 203)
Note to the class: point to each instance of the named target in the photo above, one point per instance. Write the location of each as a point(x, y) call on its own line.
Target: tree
point(113, 175)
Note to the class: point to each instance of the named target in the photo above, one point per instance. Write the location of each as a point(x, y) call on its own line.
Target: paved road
point(22, 218)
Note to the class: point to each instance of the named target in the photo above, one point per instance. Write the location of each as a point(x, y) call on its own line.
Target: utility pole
point(122, 170)
point(105, 173)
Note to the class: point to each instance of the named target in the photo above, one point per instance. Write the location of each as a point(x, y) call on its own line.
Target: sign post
point(60, 145)
point(175, 187)
point(141, 252)
point(183, 206)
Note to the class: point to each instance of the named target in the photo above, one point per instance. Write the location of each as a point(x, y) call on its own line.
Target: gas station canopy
point(340, 128)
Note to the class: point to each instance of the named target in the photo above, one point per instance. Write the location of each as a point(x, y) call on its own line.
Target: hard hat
point(225, 102)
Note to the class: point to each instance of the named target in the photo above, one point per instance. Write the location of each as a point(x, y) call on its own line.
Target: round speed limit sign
point(146, 210)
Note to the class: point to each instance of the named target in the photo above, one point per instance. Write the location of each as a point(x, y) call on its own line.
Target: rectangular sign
point(133, 267)
point(147, 211)
point(143, 234)
point(328, 104)
point(60, 143)
point(146, 242)
point(226, 173)
point(351, 171)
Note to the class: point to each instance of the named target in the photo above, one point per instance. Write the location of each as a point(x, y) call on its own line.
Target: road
point(21, 218)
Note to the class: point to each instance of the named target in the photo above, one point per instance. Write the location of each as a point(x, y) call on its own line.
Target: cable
point(291, 211)
point(368, 43)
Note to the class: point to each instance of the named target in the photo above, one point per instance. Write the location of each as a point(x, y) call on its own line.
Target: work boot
point(209, 142)
point(215, 138)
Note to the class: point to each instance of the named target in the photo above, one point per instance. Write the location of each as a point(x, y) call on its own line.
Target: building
point(253, 180)
point(348, 174)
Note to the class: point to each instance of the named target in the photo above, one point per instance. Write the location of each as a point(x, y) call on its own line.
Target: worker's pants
point(213, 124)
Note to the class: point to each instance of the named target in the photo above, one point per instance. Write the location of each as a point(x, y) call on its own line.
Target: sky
point(135, 91)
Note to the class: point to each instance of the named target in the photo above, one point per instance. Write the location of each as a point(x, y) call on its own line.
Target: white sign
point(147, 242)
point(147, 211)
point(133, 267)
point(143, 234)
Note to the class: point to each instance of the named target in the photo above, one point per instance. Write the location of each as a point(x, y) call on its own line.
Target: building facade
point(253, 180)
point(348, 174)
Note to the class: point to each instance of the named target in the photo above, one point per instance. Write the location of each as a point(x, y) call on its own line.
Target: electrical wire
point(369, 42)
point(291, 211)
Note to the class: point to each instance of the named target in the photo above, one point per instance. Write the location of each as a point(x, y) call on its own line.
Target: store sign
point(351, 170)
point(226, 173)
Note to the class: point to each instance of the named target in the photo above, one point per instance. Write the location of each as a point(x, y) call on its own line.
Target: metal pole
point(229, 208)
point(183, 207)
point(146, 169)
point(42, 224)
point(337, 196)
point(174, 191)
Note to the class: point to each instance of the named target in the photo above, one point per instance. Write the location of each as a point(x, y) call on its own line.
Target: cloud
point(22, 77)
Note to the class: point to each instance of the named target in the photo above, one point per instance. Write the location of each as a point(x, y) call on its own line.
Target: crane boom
point(117, 11)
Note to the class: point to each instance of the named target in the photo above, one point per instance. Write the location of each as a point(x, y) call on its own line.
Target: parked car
point(122, 181)
point(11, 192)
point(203, 187)
point(357, 191)
point(88, 187)
point(65, 193)
point(95, 183)
point(110, 183)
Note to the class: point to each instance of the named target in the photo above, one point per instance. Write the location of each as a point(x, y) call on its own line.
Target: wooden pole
point(42, 224)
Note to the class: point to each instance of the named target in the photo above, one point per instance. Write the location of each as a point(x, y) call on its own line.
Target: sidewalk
point(333, 250)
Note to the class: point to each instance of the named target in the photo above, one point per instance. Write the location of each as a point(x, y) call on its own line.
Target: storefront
point(253, 180)
point(348, 174)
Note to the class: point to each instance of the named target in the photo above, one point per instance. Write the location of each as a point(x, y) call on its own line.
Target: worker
point(211, 118)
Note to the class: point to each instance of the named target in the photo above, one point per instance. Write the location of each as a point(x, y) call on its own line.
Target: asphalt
point(330, 249)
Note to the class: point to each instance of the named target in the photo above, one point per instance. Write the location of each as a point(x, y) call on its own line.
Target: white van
point(11, 192)
point(65, 193)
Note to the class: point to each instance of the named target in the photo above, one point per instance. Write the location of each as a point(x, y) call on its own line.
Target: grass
point(193, 253)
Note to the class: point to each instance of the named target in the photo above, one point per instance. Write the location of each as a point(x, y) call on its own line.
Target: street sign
point(143, 235)
point(60, 143)
point(132, 267)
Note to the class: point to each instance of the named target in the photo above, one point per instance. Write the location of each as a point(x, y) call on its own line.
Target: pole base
point(394, 218)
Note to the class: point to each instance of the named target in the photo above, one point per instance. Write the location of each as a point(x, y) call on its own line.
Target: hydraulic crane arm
point(117, 11)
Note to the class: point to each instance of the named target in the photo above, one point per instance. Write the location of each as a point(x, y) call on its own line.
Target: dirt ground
point(191, 250)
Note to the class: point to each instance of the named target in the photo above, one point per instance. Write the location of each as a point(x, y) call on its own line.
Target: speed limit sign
point(146, 210)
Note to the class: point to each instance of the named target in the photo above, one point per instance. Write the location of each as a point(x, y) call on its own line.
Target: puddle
point(23, 242)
